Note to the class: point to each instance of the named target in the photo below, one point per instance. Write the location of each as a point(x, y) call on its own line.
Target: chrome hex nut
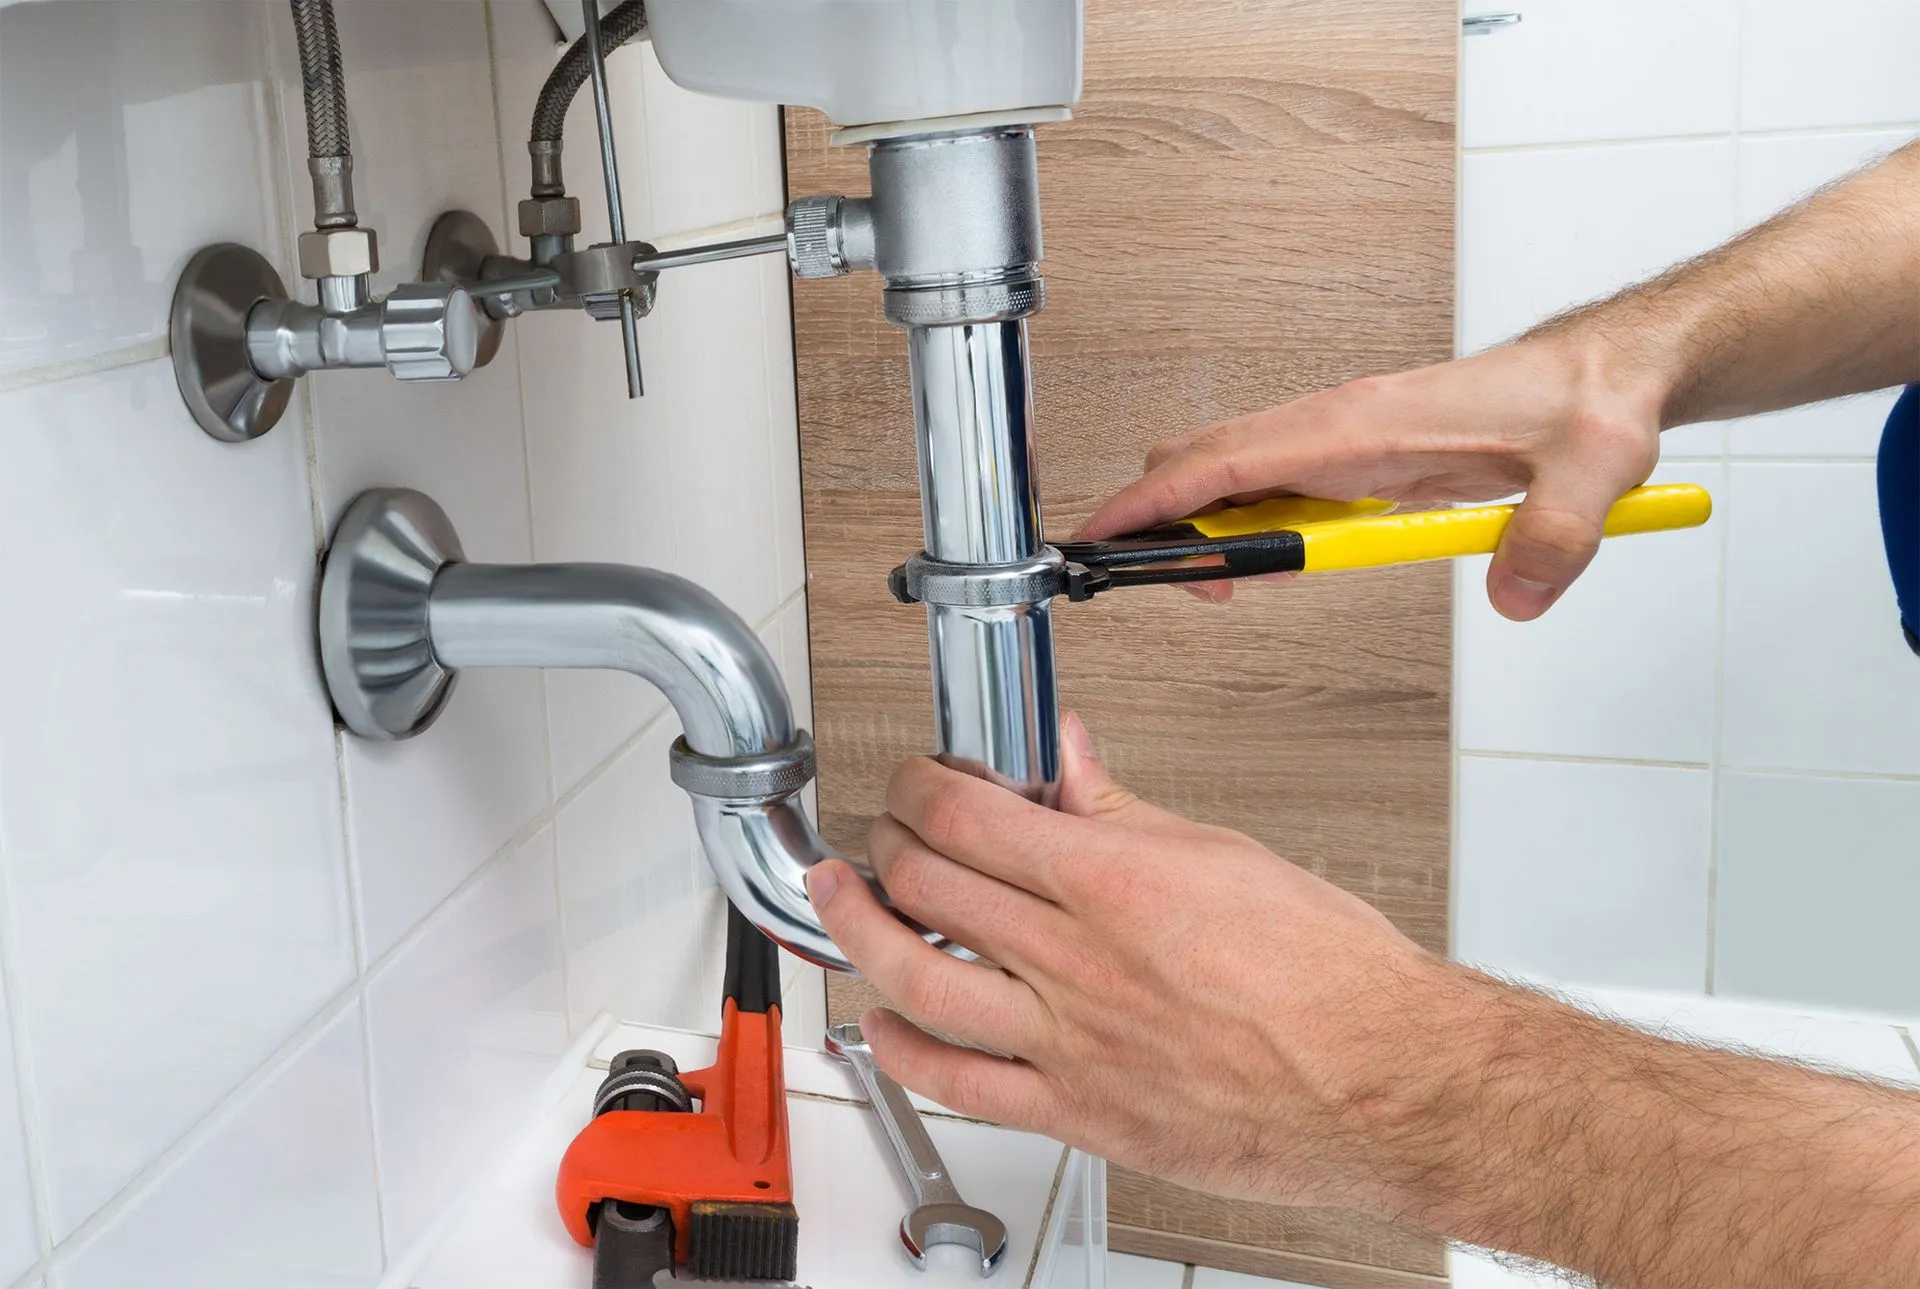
point(549, 216)
point(338, 252)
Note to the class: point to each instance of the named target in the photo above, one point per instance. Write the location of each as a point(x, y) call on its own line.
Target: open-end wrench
point(940, 1216)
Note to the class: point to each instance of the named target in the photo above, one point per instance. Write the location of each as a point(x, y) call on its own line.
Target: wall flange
point(207, 331)
point(375, 646)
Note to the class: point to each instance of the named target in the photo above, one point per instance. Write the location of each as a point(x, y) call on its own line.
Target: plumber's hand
point(1174, 997)
point(1534, 417)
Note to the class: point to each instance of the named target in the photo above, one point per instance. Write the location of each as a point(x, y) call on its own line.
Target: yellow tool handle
point(1362, 535)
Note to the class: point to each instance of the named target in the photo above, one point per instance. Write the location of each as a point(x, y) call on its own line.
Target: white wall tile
point(1574, 71)
point(1214, 1278)
point(645, 940)
point(1775, 172)
point(109, 113)
point(1817, 891)
point(19, 1223)
point(1817, 675)
point(467, 1023)
point(281, 1193)
point(1125, 1271)
point(1584, 872)
point(1844, 62)
point(426, 813)
point(783, 430)
point(711, 160)
point(711, 397)
point(1623, 666)
point(167, 771)
point(1861, 1047)
point(1543, 231)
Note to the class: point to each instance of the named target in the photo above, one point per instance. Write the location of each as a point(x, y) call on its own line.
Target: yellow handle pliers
point(1308, 535)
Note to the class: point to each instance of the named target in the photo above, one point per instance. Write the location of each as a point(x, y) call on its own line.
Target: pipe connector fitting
point(828, 236)
point(758, 777)
point(549, 217)
point(339, 252)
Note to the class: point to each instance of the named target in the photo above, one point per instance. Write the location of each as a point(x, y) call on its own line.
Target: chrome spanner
point(940, 1216)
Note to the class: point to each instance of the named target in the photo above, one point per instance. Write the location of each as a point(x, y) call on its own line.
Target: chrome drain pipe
point(401, 615)
point(993, 681)
point(956, 234)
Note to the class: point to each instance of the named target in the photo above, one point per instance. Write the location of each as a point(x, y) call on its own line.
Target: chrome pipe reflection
point(993, 678)
point(401, 614)
point(712, 668)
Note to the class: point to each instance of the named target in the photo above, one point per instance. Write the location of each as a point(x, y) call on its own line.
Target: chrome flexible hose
point(556, 96)
point(323, 84)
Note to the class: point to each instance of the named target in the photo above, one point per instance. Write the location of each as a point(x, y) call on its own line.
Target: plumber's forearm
point(1821, 301)
point(1654, 1165)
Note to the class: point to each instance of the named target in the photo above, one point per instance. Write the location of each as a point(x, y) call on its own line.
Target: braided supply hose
point(550, 112)
point(329, 153)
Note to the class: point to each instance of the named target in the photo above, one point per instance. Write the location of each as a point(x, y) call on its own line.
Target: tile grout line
point(1906, 1036)
point(533, 527)
point(27, 1088)
point(1187, 1276)
point(1716, 767)
point(287, 217)
point(1732, 133)
point(177, 1151)
point(1572, 758)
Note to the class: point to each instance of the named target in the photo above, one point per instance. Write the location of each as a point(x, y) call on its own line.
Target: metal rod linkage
point(610, 168)
point(766, 244)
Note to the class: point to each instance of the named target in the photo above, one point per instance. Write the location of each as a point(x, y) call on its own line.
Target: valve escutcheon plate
point(207, 332)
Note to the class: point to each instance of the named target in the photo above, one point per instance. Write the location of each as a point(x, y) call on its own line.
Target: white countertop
point(846, 1186)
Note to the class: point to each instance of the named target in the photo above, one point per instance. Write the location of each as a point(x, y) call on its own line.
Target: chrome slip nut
point(429, 331)
point(338, 252)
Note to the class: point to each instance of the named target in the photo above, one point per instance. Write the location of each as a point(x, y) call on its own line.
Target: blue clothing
point(1900, 507)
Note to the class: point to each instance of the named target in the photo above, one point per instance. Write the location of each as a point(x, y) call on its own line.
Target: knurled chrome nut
point(338, 252)
point(429, 331)
point(549, 216)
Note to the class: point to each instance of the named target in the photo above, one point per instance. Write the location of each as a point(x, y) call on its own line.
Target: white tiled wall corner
point(132, 107)
point(19, 1215)
point(1584, 871)
point(1840, 63)
point(1575, 71)
point(281, 1192)
point(1541, 231)
point(645, 940)
point(167, 775)
point(466, 1023)
point(1818, 890)
point(426, 813)
point(196, 865)
point(1817, 674)
point(1622, 667)
point(1604, 142)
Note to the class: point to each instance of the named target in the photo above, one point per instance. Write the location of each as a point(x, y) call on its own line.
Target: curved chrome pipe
point(400, 616)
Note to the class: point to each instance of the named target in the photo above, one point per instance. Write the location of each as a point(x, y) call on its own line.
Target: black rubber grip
point(753, 966)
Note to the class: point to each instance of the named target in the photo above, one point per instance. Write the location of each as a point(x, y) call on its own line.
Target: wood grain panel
point(1254, 201)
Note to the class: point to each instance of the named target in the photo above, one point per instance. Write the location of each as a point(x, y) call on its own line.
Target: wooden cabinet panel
point(1255, 200)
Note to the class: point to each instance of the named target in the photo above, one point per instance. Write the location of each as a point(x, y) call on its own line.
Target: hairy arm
point(1823, 300)
point(1650, 1164)
point(1177, 999)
